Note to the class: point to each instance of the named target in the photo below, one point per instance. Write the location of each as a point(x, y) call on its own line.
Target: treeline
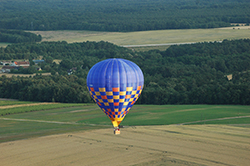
point(183, 74)
point(18, 36)
point(197, 74)
point(67, 89)
point(120, 15)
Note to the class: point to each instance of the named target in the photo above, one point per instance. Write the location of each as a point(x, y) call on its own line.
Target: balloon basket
point(117, 131)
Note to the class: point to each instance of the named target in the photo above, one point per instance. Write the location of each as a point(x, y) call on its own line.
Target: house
point(72, 70)
point(39, 69)
point(7, 69)
point(5, 63)
point(38, 61)
point(13, 64)
point(24, 63)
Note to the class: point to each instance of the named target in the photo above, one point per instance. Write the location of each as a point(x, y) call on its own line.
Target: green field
point(51, 120)
point(32, 108)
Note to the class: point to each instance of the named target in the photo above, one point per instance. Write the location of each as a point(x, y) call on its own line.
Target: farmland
point(45, 118)
point(191, 145)
point(152, 135)
point(149, 37)
point(55, 117)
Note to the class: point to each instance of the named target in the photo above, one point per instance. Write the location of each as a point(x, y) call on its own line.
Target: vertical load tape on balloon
point(115, 85)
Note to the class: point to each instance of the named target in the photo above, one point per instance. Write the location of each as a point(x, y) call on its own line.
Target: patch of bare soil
point(24, 105)
point(192, 145)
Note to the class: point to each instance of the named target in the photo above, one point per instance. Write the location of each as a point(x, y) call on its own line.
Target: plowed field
point(172, 145)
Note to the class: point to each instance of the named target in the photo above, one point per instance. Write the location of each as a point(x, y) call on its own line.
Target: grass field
point(149, 37)
point(28, 119)
point(17, 109)
point(36, 120)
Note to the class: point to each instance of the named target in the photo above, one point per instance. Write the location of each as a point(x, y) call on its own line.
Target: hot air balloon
point(115, 85)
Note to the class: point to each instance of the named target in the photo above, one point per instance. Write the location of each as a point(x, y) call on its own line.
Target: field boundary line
point(54, 122)
point(42, 121)
point(235, 117)
point(24, 105)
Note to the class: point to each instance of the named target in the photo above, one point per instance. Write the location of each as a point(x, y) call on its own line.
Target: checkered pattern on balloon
point(115, 85)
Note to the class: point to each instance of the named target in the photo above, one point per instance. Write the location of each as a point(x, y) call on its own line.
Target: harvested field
point(172, 145)
point(149, 37)
point(22, 75)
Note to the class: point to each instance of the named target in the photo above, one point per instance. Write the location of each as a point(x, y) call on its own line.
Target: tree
point(49, 60)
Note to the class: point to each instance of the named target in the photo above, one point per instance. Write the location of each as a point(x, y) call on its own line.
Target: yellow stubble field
point(172, 145)
point(149, 37)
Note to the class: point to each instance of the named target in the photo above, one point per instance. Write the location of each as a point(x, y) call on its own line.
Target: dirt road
point(173, 145)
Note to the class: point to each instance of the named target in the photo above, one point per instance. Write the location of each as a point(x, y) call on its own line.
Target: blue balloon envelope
point(115, 85)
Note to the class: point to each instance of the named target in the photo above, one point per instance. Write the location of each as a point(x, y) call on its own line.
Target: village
point(7, 66)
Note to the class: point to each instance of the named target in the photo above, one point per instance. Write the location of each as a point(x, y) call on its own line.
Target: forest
point(182, 74)
point(18, 36)
point(121, 15)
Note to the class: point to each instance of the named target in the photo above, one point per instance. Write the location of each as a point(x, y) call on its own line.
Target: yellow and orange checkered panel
point(116, 103)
